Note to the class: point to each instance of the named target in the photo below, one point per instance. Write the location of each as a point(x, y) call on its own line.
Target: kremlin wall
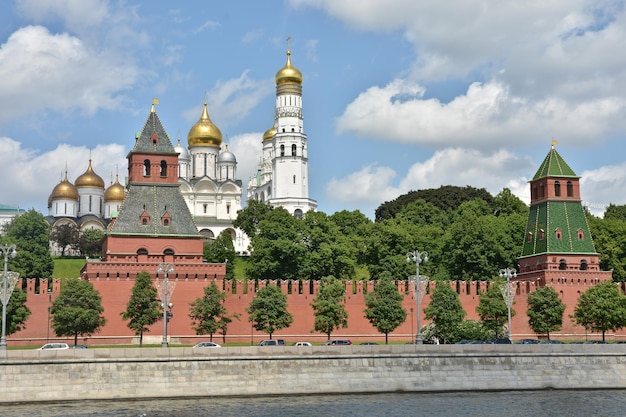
point(115, 292)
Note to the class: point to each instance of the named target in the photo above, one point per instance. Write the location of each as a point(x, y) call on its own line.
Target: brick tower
point(558, 247)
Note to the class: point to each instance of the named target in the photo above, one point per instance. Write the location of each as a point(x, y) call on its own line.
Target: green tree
point(30, 232)
point(90, 242)
point(609, 238)
point(208, 313)
point(77, 311)
point(268, 310)
point(328, 308)
point(493, 310)
point(143, 308)
point(601, 308)
point(545, 311)
point(248, 219)
point(65, 235)
point(384, 307)
point(17, 311)
point(278, 247)
point(615, 212)
point(222, 250)
point(446, 312)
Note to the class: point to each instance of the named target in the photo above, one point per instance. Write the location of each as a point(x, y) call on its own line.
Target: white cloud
point(485, 116)
point(603, 186)
point(40, 70)
point(231, 101)
point(77, 15)
point(38, 173)
point(247, 148)
point(453, 166)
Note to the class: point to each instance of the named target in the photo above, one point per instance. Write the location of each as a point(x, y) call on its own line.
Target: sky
point(398, 95)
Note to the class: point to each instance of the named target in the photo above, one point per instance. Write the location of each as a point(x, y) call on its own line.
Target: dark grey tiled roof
point(156, 200)
point(153, 132)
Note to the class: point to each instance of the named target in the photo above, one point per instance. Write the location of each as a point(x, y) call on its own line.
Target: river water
point(601, 403)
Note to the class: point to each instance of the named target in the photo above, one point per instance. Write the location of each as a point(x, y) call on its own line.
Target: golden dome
point(64, 190)
point(89, 179)
point(204, 132)
point(269, 134)
point(115, 192)
point(288, 74)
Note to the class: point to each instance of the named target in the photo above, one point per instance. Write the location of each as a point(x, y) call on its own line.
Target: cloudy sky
point(398, 95)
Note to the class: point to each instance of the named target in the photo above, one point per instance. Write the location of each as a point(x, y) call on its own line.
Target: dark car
point(500, 341)
point(272, 342)
point(528, 342)
point(343, 342)
point(551, 342)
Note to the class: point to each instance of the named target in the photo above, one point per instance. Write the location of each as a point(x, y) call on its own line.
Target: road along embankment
point(110, 373)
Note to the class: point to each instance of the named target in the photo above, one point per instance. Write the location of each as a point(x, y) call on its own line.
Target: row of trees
point(78, 310)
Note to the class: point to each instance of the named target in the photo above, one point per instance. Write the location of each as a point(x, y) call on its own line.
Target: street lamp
point(6, 250)
point(165, 269)
point(419, 286)
point(507, 294)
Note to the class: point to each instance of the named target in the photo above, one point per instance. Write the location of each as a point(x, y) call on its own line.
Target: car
point(272, 342)
point(595, 342)
point(528, 342)
point(207, 345)
point(343, 342)
point(303, 344)
point(78, 347)
point(54, 346)
point(500, 341)
point(551, 342)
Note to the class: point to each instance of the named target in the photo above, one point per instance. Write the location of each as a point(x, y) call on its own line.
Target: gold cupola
point(204, 132)
point(269, 134)
point(288, 74)
point(89, 179)
point(64, 190)
point(115, 192)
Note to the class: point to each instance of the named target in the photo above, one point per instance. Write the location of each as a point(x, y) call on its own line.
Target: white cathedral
point(208, 174)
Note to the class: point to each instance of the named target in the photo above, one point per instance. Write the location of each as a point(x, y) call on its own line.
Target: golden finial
point(554, 142)
point(154, 101)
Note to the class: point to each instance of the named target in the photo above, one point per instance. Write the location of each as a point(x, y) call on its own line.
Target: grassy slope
point(67, 268)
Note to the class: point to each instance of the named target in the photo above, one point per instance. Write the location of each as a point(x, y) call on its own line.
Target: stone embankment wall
point(66, 375)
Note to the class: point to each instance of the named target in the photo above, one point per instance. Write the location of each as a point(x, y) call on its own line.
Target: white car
point(54, 346)
point(207, 345)
point(302, 344)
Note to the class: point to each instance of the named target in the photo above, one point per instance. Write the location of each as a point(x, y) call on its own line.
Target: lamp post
point(420, 284)
point(165, 269)
point(6, 250)
point(508, 273)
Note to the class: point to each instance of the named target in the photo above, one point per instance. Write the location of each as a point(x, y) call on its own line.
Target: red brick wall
point(115, 293)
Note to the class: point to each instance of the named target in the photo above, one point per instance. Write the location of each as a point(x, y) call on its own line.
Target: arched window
point(294, 179)
point(293, 150)
point(583, 265)
point(168, 252)
point(570, 189)
point(144, 221)
point(581, 234)
point(557, 188)
point(529, 237)
point(541, 191)
point(163, 168)
point(142, 251)
point(282, 150)
point(542, 234)
point(562, 265)
point(297, 214)
point(535, 195)
point(558, 234)
point(146, 168)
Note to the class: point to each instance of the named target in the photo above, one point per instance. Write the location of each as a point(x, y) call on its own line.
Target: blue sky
point(398, 95)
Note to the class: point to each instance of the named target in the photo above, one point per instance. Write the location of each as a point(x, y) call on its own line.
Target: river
point(584, 403)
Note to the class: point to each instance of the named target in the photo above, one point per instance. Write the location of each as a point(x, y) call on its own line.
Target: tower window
point(570, 189)
point(581, 234)
point(163, 168)
point(294, 179)
point(583, 265)
point(542, 234)
point(146, 168)
point(144, 221)
point(562, 265)
point(293, 150)
point(282, 150)
point(227, 208)
point(541, 191)
point(204, 207)
point(557, 188)
point(558, 234)
point(529, 237)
